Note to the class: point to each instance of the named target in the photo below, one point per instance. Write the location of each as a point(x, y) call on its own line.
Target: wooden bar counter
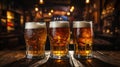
point(12, 58)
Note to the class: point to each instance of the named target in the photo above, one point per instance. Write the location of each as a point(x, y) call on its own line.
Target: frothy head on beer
point(34, 25)
point(57, 24)
point(80, 24)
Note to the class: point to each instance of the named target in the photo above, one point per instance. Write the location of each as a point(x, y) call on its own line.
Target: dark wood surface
point(11, 58)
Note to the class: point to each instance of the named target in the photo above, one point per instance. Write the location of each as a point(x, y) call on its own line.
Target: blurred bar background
point(105, 15)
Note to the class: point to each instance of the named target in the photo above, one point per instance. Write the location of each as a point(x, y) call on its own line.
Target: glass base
point(35, 57)
point(59, 57)
point(82, 57)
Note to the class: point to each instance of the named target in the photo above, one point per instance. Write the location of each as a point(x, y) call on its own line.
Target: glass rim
point(82, 21)
point(55, 24)
point(80, 24)
point(59, 21)
point(34, 25)
point(34, 22)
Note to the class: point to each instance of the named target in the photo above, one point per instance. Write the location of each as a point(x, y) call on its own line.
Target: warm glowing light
point(104, 11)
point(21, 19)
point(40, 12)
point(72, 9)
point(89, 60)
point(68, 13)
point(49, 14)
point(71, 41)
point(36, 9)
point(41, 2)
point(94, 5)
point(60, 12)
point(59, 53)
point(107, 31)
point(51, 11)
point(87, 52)
point(58, 61)
point(10, 15)
point(87, 1)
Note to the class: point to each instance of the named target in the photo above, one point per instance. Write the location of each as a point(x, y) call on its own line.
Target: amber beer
point(83, 38)
point(59, 35)
point(35, 37)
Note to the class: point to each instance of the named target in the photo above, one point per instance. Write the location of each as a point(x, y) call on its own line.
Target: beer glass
point(35, 38)
point(83, 38)
point(59, 36)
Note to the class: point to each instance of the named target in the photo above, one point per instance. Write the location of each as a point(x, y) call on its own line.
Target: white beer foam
point(80, 24)
point(34, 25)
point(56, 24)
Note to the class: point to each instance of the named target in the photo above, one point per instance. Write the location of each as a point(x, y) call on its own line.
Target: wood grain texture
point(100, 59)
